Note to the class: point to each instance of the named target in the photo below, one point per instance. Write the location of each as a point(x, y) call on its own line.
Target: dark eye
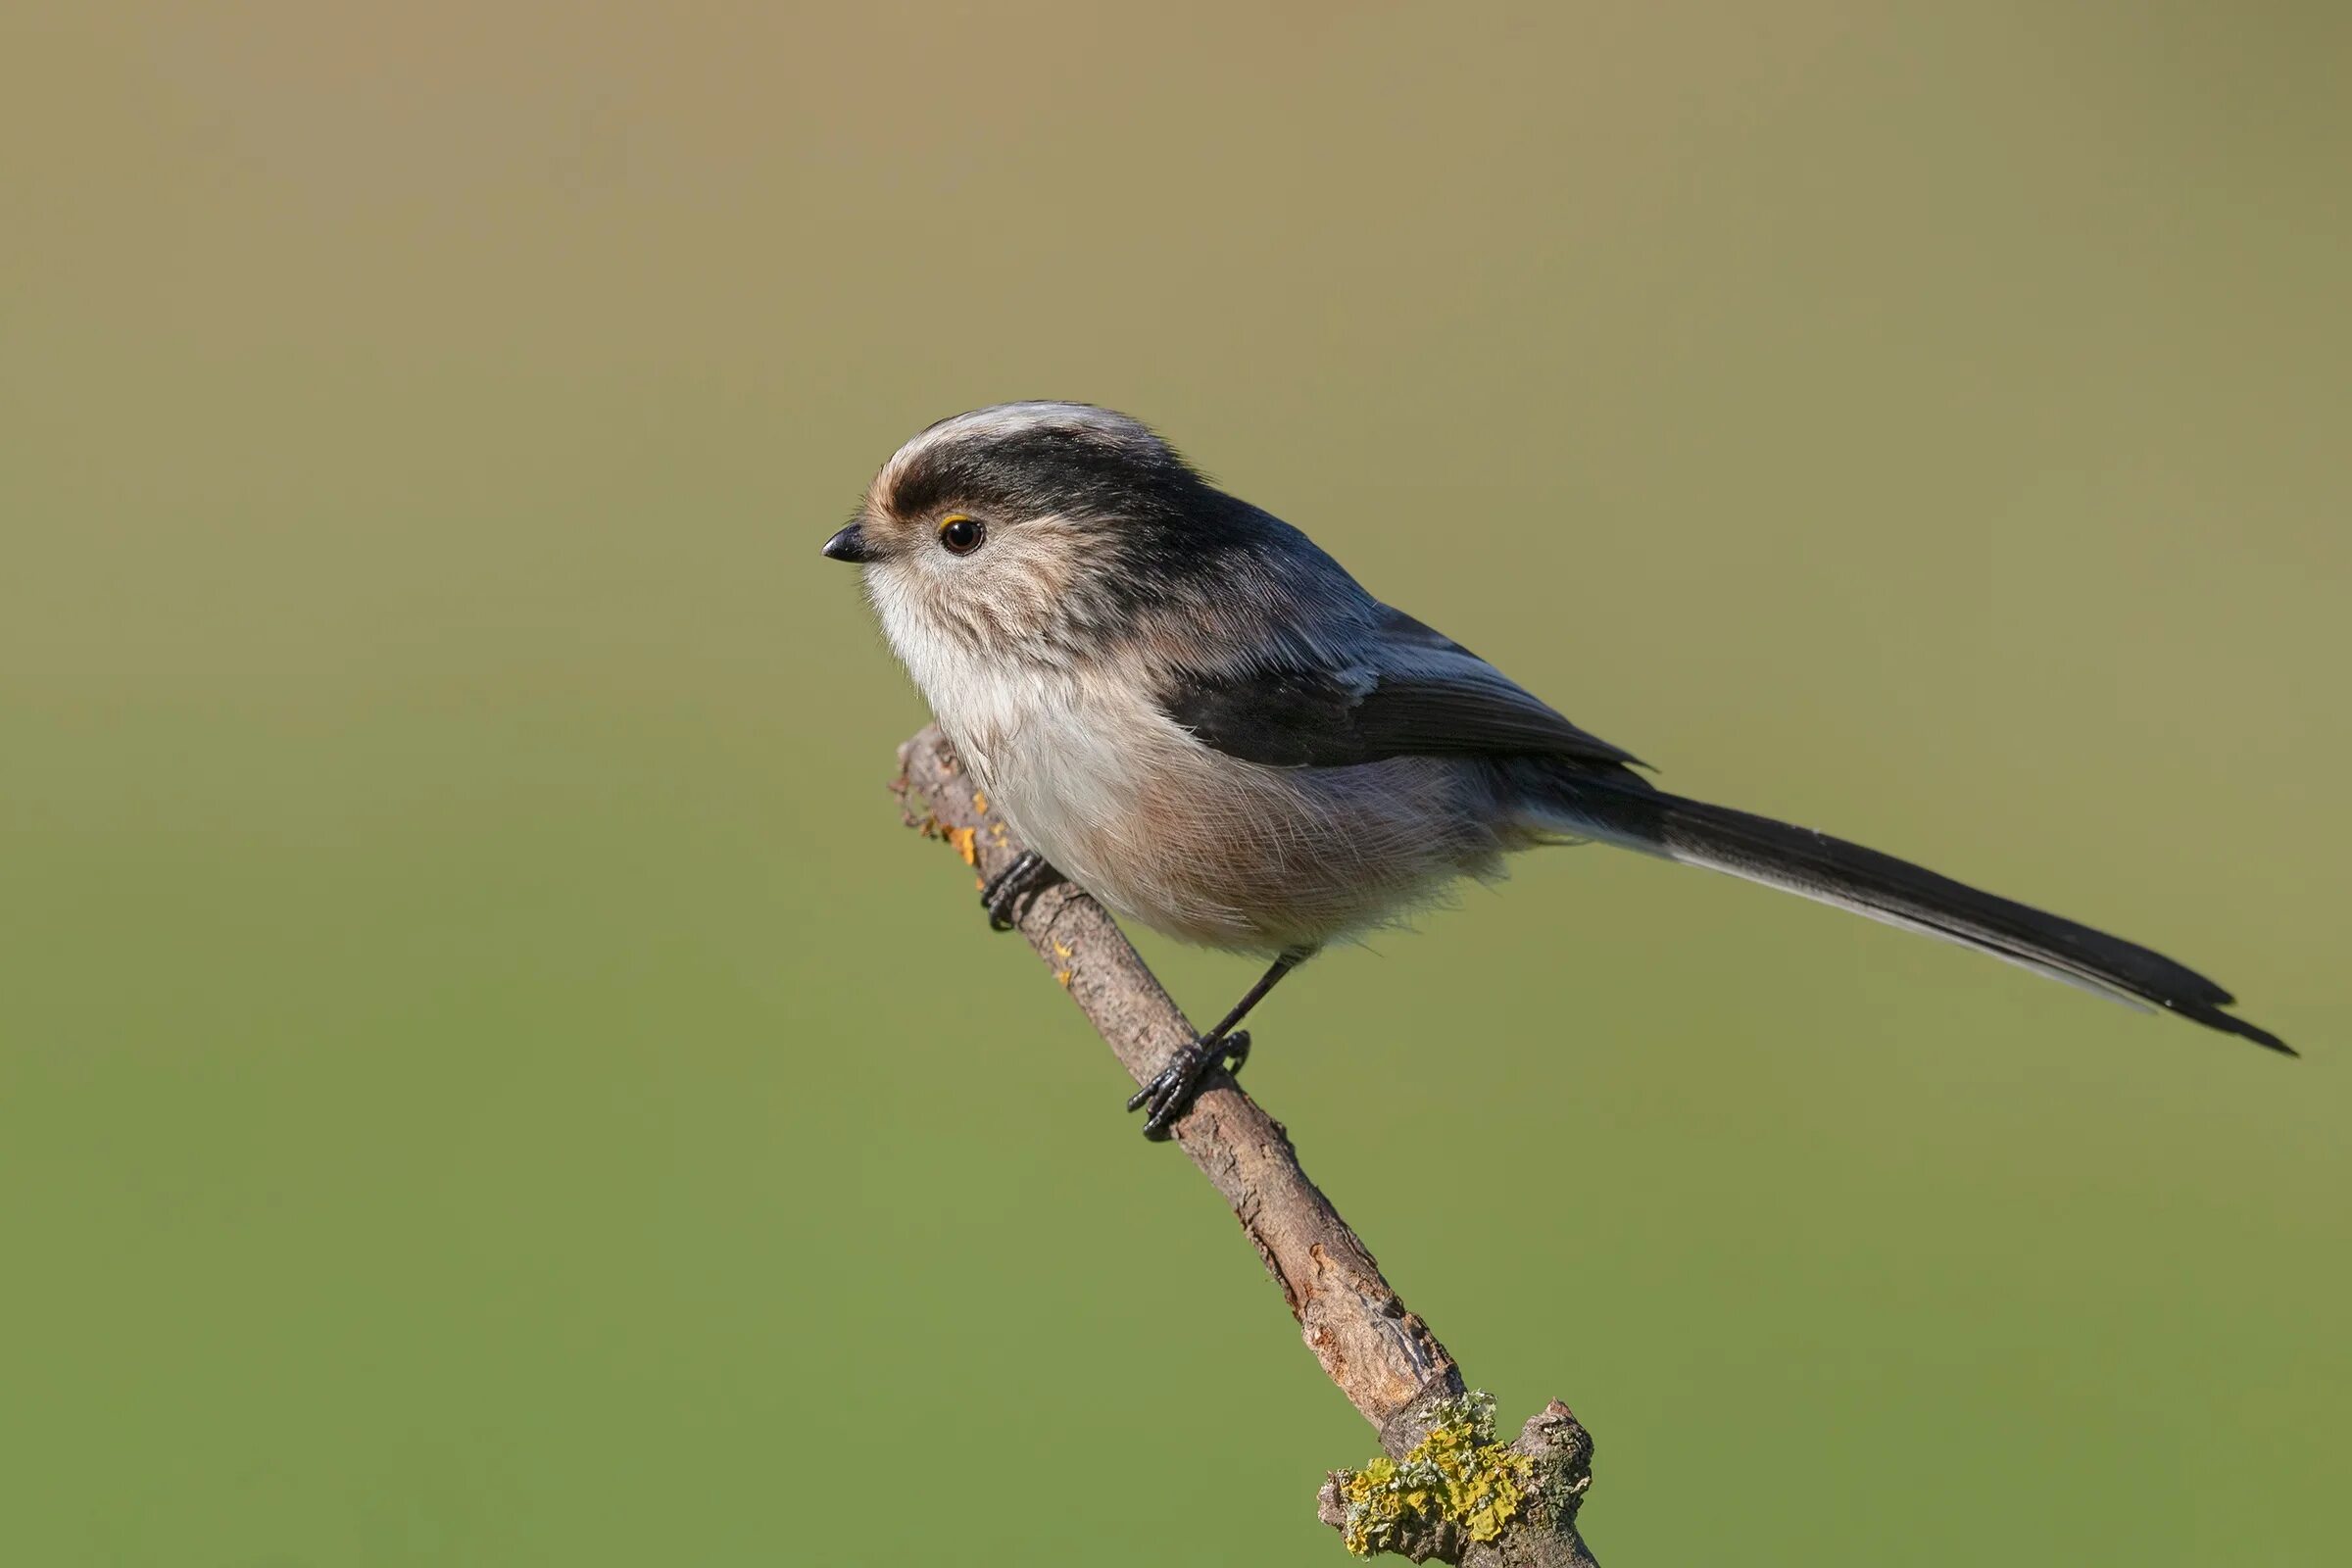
point(962, 534)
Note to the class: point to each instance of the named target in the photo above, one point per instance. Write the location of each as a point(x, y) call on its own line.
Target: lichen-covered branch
point(1445, 1487)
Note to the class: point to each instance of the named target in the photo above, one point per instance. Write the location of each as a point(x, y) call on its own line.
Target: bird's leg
point(1024, 879)
point(1169, 1094)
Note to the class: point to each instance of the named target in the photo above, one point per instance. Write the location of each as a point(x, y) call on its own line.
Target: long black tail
point(1623, 809)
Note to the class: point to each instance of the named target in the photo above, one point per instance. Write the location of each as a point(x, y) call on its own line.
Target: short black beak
point(848, 545)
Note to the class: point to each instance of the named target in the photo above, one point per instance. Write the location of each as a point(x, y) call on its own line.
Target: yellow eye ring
point(960, 535)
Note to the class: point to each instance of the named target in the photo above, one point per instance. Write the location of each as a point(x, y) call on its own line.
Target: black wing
point(1437, 700)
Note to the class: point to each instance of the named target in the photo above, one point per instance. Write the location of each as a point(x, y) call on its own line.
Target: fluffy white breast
point(1064, 756)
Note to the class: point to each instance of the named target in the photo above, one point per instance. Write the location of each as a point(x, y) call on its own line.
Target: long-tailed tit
point(1187, 709)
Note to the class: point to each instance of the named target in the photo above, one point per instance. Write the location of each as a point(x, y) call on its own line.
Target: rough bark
point(1382, 1358)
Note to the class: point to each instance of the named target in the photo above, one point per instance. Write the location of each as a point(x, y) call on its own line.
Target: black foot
point(1024, 879)
point(1170, 1094)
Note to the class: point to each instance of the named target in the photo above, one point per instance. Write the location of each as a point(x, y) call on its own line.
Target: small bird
point(1184, 707)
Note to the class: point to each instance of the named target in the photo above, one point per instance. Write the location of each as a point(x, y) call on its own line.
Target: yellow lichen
point(1063, 975)
point(961, 838)
point(1458, 1475)
point(1060, 951)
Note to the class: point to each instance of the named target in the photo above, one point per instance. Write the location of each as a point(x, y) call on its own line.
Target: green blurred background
point(484, 1078)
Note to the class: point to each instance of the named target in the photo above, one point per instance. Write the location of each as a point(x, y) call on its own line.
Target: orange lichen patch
point(1063, 977)
point(979, 801)
point(962, 838)
point(1060, 951)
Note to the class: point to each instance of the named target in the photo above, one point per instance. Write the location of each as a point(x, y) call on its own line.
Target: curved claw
point(1172, 1090)
point(1237, 1051)
point(1024, 879)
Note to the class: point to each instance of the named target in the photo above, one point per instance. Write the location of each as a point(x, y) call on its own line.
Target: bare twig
point(1384, 1358)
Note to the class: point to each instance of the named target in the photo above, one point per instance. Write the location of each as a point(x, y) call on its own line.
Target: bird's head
point(1029, 525)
